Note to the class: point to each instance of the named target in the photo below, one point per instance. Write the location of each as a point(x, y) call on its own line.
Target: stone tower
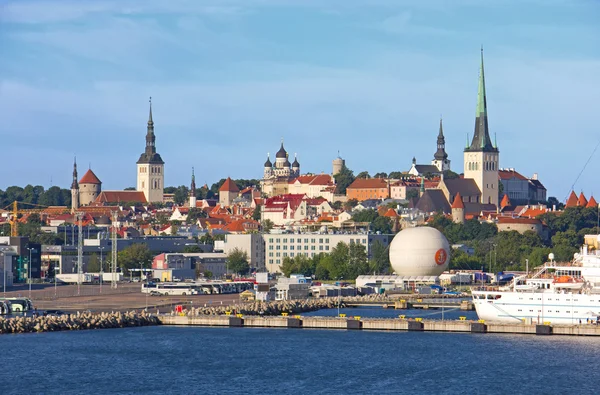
point(228, 192)
point(89, 188)
point(150, 167)
point(481, 157)
point(440, 158)
point(338, 164)
point(74, 189)
point(458, 209)
point(193, 191)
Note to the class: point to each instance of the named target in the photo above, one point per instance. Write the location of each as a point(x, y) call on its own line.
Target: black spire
point(75, 184)
point(193, 186)
point(481, 138)
point(150, 155)
point(441, 154)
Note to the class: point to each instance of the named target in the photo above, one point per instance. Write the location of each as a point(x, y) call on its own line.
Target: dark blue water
point(187, 360)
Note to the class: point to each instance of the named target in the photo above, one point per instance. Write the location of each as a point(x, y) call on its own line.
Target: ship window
point(519, 310)
point(576, 312)
point(567, 311)
point(575, 300)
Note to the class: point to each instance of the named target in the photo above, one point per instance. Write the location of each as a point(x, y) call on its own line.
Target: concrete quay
point(378, 324)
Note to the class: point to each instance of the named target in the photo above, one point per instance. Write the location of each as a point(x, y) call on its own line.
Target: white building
point(253, 244)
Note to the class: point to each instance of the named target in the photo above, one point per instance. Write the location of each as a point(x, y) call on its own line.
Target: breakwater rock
point(269, 308)
point(78, 321)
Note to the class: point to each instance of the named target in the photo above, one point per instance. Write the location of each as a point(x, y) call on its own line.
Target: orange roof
point(507, 174)
point(89, 178)
point(319, 179)
point(360, 183)
point(582, 201)
point(518, 220)
point(592, 203)
point(391, 213)
point(534, 212)
point(458, 203)
point(572, 200)
point(229, 186)
point(505, 201)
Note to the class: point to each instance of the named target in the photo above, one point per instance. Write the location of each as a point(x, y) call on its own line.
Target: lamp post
point(55, 268)
point(29, 271)
point(339, 295)
point(101, 268)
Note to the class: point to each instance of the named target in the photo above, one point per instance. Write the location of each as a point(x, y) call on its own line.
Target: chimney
point(535, 176)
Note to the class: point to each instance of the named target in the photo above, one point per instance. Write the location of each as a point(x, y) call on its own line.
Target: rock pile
point(268, 308)
point(74, 322)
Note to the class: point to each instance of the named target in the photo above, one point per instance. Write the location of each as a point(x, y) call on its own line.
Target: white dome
point(422, 251)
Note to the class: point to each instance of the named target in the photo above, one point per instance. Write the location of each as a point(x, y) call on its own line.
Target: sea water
point(199, 360)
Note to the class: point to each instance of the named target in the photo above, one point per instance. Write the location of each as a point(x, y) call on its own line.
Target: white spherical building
point(422, 251)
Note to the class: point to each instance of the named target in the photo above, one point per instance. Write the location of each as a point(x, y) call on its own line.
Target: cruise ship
point(557, 293)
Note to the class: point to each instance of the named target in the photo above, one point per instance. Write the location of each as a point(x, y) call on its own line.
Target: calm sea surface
point(186, 360)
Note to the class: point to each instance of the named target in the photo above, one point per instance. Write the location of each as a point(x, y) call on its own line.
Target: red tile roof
point(370, 183)
point(391, 213)
point(121, 197)
point(533, 212)
point(572, 200)
point(582, 201)
point(89, 178)
point(518, 220)
point(229, 186)
point(458, 203)
point(319, 179)
point(592, 203)
point(508, 174)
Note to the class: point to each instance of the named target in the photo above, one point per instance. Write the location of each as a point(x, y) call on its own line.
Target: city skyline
point(230, 78)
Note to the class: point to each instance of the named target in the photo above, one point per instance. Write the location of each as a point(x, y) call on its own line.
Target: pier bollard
point(353, 324)
point(239, 315)
point(419, 319)
point(462, 318)
point(543, 329)
point(342, 315)
point(402, 317)
point(284, 314)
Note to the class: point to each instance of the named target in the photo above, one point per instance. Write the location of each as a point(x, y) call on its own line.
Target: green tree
point(380, 262)
point(343, 179)
point(380, 175)
point(267, 225)
point(192, 249)
point(396, 175)
point(93, 265)
point(357, 261)
point(181, 194)
point(134, 255)
point(237, 261)
point(256, 213)
point(194, 214)
point(449, 175)
point(206, 239)
point(363, 174)
point(412, 194)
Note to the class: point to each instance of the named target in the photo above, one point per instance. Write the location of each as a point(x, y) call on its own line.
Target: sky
point(230, 78)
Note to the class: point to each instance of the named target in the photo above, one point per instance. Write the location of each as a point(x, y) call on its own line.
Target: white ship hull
point(536, 307)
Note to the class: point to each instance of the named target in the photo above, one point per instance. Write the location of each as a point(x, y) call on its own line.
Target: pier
point(379, 324)
point(402, 304)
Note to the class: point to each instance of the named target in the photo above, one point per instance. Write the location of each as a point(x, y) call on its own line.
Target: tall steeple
point(150, 155)
point(75, 184)
point(441, 154)
point(481, 138)
point(74, 189)
point(193, 191)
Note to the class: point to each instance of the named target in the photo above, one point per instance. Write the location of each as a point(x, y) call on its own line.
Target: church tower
point(74, 189)
point(440, 158)
point(193, 191)
point(481, 158)
point(150, 167)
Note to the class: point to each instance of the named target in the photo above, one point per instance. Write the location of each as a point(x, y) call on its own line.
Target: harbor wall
point(380, 324)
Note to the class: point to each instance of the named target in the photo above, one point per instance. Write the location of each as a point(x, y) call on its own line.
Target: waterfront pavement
point(126, 297)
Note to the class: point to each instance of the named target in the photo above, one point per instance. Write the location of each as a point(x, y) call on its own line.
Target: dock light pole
point(29, 271)
point(101, 268)
point(55, 268)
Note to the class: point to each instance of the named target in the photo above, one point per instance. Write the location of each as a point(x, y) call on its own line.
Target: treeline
point(54, 196)
point(345, 261)
point(499, 251)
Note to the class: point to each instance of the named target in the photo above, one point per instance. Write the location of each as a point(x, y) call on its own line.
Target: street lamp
point(29, 271)
point(55, 268)
point(101, 268)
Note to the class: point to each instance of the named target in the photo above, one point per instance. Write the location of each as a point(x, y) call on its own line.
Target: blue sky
point(230, 78)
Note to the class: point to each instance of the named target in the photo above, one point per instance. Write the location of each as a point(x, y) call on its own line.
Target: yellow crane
point(15, 211)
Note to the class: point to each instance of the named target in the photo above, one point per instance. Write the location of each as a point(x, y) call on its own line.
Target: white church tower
point(150, 167)
point(482, 157)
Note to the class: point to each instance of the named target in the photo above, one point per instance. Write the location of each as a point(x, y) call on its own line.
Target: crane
point(15, 211)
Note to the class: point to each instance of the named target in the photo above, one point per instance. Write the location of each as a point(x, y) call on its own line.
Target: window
point(270, 247)
point(291, 247)
point(326, 248)
point(312, 248)
point(285, 247)
point(320, 248)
